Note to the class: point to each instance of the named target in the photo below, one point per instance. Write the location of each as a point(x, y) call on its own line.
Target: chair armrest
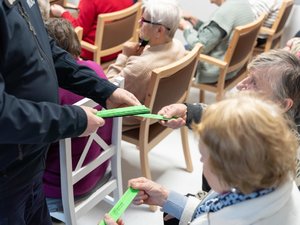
point(69, 5)
point(212, 60)
point(266, 30)
point(87, 46)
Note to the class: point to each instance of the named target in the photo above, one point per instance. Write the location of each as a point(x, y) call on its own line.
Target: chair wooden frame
point(71, 210)
point(232, 60)
point(108, 26)
point(79, 31)
point(275, 32)
point(150, 134)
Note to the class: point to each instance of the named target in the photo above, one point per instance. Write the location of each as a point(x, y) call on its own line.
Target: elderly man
point(215, 34)
point(158, 25)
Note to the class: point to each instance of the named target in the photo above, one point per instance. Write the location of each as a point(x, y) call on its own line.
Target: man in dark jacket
point(31, 69)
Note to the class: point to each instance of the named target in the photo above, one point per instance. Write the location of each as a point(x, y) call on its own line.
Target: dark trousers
point(25, 206)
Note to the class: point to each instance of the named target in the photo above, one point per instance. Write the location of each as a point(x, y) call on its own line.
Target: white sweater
point(281, 207)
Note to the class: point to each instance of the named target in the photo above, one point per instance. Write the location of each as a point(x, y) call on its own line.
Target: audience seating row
point(168, 85)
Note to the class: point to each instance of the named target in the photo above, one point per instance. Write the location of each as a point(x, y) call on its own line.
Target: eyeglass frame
point(143, 20)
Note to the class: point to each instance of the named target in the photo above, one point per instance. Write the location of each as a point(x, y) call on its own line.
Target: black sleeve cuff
point(193, 113)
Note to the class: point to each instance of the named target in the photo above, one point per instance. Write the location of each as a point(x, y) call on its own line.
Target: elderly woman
point(275, 74)
point(158, 25)
point(215, 34)
point(250, 169)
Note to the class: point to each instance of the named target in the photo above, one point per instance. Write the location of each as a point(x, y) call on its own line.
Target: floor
point(167, 168)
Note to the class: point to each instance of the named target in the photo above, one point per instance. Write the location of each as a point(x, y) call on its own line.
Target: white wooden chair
point(73, 210)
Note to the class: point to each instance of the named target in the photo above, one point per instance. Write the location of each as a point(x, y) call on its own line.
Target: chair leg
point(145, 163)
point(219, 96)
point(201, 96)
point(186, 149)
point(146, 170)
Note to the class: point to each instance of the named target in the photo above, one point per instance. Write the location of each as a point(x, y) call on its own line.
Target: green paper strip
point(125, 111)
point(122, 204)
point(154, 116)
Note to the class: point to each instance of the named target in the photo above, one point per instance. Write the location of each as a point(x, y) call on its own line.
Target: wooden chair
point(168, 84)
point(275, 32)
point(73, 210)
point(79, 31)
point(237, 56)
point(113, 30)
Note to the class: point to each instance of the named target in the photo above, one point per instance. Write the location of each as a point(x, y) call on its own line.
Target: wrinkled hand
point(290, 46)
point(150, 192)
point(193, 20)
point(57, 10)
point(174, 110)
point(132, 48)
point(93, 121)
point(184, 24)
point(121, 98)
point(109, 221)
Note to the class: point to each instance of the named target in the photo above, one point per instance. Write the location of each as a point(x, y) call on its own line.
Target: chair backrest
point(241, 46)
point(71, 210)
point(116, 28)
point(79, 31)
point(278, 25)
point(237, 56)
point(171, 83)
point(168, 84)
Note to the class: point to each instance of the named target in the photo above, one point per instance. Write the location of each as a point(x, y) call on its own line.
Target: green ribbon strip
point(139, 110)
point(154, 116)
point(121, 205)
point(125, 111)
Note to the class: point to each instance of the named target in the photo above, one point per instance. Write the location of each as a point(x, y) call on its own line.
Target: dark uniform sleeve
point(24, 121)
point(27, 122)
point(194, 113)
point(80, 79)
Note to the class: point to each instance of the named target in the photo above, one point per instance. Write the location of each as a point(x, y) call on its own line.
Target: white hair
point(164, 12)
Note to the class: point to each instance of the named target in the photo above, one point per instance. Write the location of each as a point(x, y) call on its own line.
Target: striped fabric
point(269, 7)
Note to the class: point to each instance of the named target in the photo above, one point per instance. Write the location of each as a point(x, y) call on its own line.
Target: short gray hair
point(165, 12)
point(282, 70)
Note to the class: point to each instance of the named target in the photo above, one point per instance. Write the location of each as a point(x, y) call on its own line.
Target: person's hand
point(184, 24)
point(109, 221)
point(150, 192)
point(121, 98)
point(93, 121)
point(292, 46)
point(132, 48)
point(57, 10)
point(174, 110)
point(193, 20)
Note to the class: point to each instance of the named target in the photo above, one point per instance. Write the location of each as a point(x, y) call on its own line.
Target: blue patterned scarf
point(227, 199)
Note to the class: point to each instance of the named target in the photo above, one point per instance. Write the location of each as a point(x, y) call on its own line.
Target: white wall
point(293, 24)
point(199, 8)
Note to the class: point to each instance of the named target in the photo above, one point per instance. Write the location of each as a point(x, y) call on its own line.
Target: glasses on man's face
point(143, 20)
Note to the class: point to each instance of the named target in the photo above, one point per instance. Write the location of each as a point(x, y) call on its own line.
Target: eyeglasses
point(143, 20)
